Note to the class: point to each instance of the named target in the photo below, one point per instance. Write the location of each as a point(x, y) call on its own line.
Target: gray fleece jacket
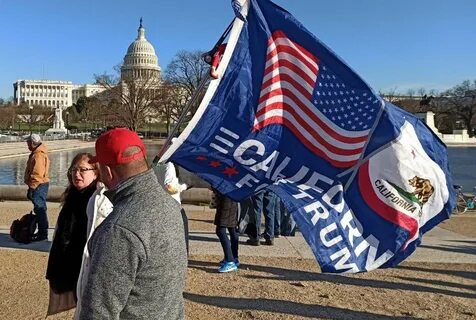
point(138, 258)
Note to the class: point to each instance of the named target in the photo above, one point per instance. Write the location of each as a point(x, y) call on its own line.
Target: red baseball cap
point(110, 147)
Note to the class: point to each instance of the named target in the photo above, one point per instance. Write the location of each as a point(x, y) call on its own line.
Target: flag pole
point(193, 99)
point(181, 119)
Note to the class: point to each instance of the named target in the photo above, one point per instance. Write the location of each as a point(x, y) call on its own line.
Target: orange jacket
point(37, 167)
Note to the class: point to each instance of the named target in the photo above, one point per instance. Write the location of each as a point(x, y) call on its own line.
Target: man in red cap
point(138, 258)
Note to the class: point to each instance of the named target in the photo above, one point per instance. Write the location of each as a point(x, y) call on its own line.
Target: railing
point(22, 138)
point(18, 193)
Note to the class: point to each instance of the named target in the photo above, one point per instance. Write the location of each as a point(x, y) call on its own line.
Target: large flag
point(363, 179)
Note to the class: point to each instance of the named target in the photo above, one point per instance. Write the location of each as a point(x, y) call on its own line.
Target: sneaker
point(268, 242)
point(228, 267)
point(253, 242)
point(39, 237)
point(236, 261)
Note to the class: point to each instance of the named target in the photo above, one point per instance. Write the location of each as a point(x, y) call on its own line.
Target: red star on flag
point(230, 171)
point(201, 158)
point(214, 164)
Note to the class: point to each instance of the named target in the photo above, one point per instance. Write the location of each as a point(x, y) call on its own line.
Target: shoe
point(39, 237)
point(253, 242)
point(236, 261)
point(277, 235)
point(228, 267)
point(268, 242)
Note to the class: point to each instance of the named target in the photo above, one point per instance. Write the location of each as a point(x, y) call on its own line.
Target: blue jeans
point(271, 212)
point(229, 245)
point(255, 215)
point(288, 225)
point(265, 202)
point(38, 198)
point(279, 212)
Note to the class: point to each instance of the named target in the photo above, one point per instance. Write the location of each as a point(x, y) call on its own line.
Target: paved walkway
point(439, 246)
point(17, 149)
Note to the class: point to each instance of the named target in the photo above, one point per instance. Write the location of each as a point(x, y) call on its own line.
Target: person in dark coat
point(226, 218)
point(64, 262)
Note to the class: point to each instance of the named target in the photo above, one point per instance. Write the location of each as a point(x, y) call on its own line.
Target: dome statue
point(140, 61)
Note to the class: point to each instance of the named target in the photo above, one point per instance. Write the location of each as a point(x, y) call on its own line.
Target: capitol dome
point(140, 60)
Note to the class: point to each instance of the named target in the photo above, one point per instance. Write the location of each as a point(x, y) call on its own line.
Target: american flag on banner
point(301, 93)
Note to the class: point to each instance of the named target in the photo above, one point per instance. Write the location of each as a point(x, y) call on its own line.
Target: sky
point(392, 45)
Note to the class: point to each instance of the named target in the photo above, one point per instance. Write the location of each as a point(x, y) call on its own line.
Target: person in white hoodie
point(99, 207)
point(168, 178)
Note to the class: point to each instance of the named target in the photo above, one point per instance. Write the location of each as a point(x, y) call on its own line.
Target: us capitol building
point(140, 61)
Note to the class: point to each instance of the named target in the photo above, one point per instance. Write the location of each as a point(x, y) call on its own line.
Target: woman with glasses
point(64, 262)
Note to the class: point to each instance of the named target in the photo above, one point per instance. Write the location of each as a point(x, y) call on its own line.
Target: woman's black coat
point(64, 262)
point(226, 211)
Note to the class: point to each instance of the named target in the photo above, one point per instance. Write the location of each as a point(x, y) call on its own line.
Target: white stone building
point(48, 93)
point(52, 93)
point(85, 90)
point(140, 61)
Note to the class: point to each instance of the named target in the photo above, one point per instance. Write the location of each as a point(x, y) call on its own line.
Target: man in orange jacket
point(37, 180)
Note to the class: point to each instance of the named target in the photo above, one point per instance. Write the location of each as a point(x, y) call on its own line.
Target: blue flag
point(362, 178)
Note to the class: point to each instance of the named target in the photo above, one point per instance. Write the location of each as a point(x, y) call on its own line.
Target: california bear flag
point(403, 185)
point(403, 182)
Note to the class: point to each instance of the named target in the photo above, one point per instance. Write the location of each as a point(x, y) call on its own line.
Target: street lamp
point(31, 117)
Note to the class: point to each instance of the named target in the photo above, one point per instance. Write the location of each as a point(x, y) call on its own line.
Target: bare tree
point(91, 110)
point(421, 92)
point(461, 101)
point(11, 114)
point(186, 71)
point(132, 100)
point(8, 115)
point(410, 93)
point(170, 103)
point(390, 95)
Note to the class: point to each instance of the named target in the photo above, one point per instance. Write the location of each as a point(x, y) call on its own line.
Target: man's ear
point(109, 172)
point(105, 173)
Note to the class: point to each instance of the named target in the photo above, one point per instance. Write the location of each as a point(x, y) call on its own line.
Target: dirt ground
point(273, 288)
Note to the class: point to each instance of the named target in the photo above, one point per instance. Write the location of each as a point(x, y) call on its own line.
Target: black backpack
point(23, 229)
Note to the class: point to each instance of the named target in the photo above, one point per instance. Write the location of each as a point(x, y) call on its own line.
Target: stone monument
point(58, 124)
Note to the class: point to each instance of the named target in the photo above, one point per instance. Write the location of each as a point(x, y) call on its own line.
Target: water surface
point(12, 170)
point(462, 165)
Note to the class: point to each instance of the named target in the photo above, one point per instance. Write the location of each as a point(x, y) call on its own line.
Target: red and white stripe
point(289, 79)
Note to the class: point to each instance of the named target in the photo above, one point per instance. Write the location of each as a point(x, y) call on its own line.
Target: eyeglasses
point(80, 170)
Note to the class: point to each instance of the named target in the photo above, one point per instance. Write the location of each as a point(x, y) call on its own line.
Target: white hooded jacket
point(99, 207)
